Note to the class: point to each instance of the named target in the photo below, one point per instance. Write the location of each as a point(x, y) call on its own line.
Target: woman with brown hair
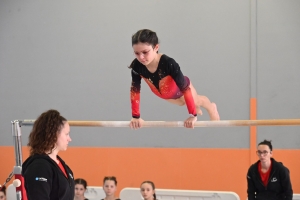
point(46, 175)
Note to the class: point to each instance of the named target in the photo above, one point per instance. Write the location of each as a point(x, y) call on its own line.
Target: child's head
point(80, 187)
point(145, 36)
point(110, 185)
point(2, 192)
point(145, 46)
point(148, 190)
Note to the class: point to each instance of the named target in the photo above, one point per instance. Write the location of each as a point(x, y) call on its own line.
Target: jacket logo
point(274, 179)
point(71, 175)
point(40, 179)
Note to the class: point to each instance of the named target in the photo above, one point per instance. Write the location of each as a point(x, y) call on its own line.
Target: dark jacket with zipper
point(279, 185)
point(44, 180)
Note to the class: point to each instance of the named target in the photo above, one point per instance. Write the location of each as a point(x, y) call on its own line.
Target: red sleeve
point(135, 94)
point(183, 84)
point(189, 101)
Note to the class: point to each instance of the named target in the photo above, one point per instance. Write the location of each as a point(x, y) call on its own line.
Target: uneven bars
point(221, 123)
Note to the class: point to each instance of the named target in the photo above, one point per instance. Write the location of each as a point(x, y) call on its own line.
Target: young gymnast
point(148, 190)
point(165, 79)
point(110, 187)
point(80, 188)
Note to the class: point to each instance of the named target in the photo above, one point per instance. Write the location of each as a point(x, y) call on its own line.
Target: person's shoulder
point(135, 64)
point(253, 169)
point(167, 59)
point(37, 160)
point(38, 164)
point(254, 166)
point(278, 165)
point(168, 62)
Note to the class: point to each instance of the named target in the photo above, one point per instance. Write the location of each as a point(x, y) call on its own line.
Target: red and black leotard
point(167, 82)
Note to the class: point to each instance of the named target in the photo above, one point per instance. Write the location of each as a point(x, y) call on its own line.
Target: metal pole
point(16, 133)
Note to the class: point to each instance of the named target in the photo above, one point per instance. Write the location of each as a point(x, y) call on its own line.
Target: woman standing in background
point(46, 175)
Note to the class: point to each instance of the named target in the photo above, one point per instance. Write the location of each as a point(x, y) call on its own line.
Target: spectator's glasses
point(262, 153)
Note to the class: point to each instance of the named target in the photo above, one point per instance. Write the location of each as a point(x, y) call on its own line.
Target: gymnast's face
point(145, 53)
point(79, 190)
point(63, 137)
point(109, 187)
point(147, 191)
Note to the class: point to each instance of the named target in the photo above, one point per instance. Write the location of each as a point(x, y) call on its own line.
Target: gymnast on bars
point(165, 79)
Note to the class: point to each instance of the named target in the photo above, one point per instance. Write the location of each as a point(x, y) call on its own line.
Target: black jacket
point(44, 180)
point(279, 185)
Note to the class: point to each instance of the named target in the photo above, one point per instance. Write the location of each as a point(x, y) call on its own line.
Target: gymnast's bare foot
point(213, 113)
